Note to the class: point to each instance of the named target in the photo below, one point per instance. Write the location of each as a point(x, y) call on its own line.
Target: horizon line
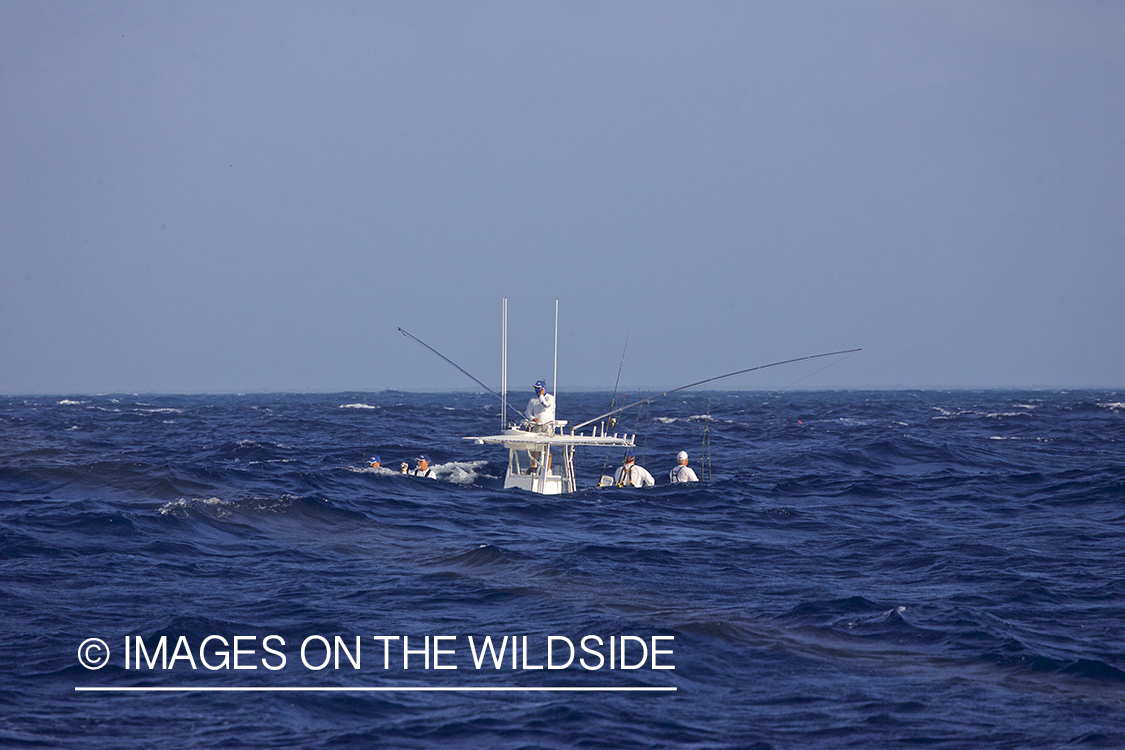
point(419, 689)
point(575, 389)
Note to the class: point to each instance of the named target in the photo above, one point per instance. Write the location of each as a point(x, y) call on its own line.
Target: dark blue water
point(864, 569)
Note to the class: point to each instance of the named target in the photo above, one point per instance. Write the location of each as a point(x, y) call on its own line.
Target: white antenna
point(504, 366)
point(555, 374)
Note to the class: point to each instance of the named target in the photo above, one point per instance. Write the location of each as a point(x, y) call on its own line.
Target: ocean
point(859, 569)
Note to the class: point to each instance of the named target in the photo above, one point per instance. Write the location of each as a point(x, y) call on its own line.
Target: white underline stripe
point(372, 689)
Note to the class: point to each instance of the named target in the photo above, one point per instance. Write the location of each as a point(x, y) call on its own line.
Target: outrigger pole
point(555, 372)
point(701, 382)
point(464, 371)
point(504, 364)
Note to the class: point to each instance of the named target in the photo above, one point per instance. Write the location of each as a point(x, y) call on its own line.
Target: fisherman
point(373, 462)
point(631, 475)
point(422, 468)
point(682, 472)
point(541, 409)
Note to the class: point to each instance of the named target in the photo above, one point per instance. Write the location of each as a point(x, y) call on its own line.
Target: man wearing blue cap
point(541, 409)
point(373, 462)
point(422, 468)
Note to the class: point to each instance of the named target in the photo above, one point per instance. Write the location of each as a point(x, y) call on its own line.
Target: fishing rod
point(613, 400)
point(362, 452)
point(709, 380)
point(463, 371)
point(621, 366)
point(705, 449)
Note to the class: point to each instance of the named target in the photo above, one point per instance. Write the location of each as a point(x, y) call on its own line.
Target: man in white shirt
point(631, 475)
point(682, 472)
point(421, 469)
point(541, 409)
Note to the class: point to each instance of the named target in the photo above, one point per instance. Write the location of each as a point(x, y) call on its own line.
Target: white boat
point(541, 456)
point(542, 459)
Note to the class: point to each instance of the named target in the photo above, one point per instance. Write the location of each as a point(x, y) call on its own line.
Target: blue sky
point(230, 197)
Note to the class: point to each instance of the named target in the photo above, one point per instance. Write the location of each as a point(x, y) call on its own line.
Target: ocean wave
point(902, 567)
point(461, 472)
point(222, 508)
point(1090, 669)
point(183, 507)
point(483, 556)
point(452, 472)
point(692, 418)
point(376, 470)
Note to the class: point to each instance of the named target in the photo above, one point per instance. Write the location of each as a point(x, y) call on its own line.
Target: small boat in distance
point(541, 456)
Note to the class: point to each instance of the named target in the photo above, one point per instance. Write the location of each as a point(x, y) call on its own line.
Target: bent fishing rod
point(710, 380)
point(463, 371)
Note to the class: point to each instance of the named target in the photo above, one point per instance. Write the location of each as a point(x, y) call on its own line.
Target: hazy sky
point(242, 196)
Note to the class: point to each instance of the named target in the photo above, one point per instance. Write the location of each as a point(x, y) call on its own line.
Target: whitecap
point(247, 443)
point(454, 472)
point(460, 472)
point(374, 470)
point(358, 406)
point(863, 620)
point(181, 505)
point(853, 421)
point(68, 402)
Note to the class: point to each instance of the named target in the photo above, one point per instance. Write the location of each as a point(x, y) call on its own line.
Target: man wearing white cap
point(682, 472)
